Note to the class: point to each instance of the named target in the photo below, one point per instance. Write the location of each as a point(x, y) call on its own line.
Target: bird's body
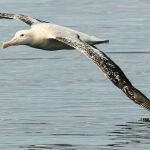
point(43, 32)
point(47, 36)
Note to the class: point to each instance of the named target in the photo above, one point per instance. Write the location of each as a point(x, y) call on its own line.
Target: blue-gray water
point(61, 100)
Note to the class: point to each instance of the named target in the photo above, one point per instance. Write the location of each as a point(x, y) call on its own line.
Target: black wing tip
point(106, 41)
point(102, 42)
point(141, 99)
point(7, 15)
point(146, 105)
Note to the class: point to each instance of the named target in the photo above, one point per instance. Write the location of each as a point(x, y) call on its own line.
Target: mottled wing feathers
point(109, 68)
point(137, 96)
point(23, 18)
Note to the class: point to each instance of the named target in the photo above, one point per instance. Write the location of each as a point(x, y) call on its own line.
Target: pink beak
point(12, 42)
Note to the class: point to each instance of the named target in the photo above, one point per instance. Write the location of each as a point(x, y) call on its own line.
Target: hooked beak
point(12, 42)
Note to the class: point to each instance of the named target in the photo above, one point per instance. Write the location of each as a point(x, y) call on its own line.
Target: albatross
point(48, 36)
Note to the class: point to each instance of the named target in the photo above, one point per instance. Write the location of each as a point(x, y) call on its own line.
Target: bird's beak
point(12, 42)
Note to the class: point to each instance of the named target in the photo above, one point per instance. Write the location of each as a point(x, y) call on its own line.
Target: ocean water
point(60, 100)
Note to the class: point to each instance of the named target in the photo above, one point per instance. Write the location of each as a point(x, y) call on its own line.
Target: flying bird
point(49, 36)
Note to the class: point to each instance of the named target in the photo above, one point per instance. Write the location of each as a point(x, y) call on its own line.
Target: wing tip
point(102, 42)
point(106, 41)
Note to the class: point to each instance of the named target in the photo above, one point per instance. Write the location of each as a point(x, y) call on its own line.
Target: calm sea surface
point(60, 100)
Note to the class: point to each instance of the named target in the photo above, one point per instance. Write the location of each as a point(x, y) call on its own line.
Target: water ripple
point(130, 132)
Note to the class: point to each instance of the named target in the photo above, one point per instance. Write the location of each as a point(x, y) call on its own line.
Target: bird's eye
point(22, 35)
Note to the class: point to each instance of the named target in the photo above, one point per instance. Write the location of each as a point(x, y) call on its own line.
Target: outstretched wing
point(23, 18)
point(109, 68)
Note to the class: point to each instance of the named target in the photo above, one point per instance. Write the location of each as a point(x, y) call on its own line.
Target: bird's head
point(22, 37)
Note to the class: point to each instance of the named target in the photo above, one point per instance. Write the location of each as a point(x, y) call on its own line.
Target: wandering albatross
point(47, 36)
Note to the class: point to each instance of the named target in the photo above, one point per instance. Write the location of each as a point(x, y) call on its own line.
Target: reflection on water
point(51, 146)
point(124, 136)
point(131, 133)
